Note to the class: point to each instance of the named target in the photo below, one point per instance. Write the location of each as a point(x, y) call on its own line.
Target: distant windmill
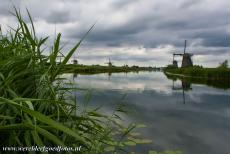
point(60, 56)
point(0, 28)
point(75, 60)
point(186, 60)
point(110, 64)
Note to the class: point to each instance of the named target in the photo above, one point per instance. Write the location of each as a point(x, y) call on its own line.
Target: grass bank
point(214, 77)
point(94, 69)
point(197, 72)
point(221, 84)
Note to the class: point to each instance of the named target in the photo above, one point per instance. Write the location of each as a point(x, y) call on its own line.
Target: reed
point(35, 108)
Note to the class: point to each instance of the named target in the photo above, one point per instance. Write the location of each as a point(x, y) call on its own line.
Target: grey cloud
point(172, 25)
point(137, 23)
point(190, 3)
point(166, 28)
point(7, 6)
point(118, 4)
point(58, 17)
point(215, 39)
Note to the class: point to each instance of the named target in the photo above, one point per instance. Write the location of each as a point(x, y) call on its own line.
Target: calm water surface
point(195, 121)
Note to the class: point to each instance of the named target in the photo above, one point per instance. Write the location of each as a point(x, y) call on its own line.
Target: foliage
point(222, 83)
point(171, 67)
point(223, 65)
point(35, 108)
point(199, 72)
point(215, 77)
point(165, 152)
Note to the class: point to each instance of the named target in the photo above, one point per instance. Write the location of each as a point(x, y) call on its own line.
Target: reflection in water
point(185, 86)
point(216, 83)
point(109, 75)
point(200, 126)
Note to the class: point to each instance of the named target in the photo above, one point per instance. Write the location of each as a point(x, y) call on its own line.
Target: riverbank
point(214, 77)
point(221, 84)
point(198, 72)
point(94, 69)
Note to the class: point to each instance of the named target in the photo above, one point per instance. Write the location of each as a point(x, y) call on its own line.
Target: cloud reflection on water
point(201, 125)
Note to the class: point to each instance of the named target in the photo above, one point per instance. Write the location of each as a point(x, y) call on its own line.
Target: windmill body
point(187, 61)
point(186, 58)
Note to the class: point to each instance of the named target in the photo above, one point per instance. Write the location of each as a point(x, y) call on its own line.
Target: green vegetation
point(216, 77)
point(222, 84)
point(224, 65)
point(37, 109)
point(93, 69)
point(165, 152)
point(220, 73)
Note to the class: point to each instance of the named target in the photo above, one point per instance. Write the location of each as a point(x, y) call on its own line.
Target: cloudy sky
point(140, 32)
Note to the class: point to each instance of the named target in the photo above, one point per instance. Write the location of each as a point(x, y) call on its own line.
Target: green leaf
point(130, 143)
point(48, 135)
point(153, 152)
point(6, 117)
point(14, 127)
point(48, 121)
point(69, 55)
point(140, 126)
point(109, 148)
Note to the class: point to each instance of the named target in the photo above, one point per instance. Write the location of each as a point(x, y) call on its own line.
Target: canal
point(192, 118)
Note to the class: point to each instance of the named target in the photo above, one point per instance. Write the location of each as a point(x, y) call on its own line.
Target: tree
point(224, 64)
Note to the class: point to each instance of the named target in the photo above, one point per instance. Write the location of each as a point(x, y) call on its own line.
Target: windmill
point(186, 58)
point(110, 64)
point(74, 60)
point(0, 30)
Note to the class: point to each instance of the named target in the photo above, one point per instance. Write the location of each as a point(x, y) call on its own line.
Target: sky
point(133, 32)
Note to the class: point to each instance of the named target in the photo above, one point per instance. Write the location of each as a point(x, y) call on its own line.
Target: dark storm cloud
point(129, 23)
point(207, 51)
point(115, 33)
point(214, 38)
point(165, 28)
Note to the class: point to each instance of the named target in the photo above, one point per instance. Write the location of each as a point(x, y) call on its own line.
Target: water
point(195, 120)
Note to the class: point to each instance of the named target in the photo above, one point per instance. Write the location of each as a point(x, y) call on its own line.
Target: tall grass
point(33, 105)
